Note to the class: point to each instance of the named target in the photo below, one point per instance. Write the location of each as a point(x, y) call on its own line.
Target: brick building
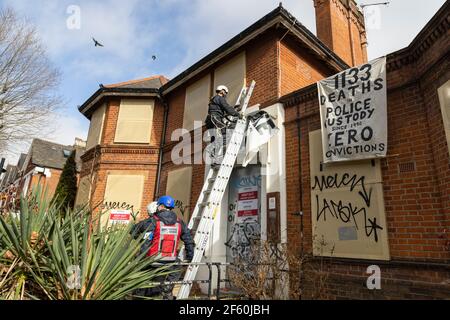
point(42, 165)
point(134, 139)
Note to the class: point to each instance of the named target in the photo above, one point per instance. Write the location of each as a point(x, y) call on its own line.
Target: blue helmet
point(167, 201)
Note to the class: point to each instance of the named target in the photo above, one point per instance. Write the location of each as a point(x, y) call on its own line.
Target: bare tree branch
point(28, 82)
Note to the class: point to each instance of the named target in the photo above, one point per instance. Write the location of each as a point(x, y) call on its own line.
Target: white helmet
point(222, 87)
point(152, 207)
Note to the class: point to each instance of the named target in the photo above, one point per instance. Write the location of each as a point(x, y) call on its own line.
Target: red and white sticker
point(247, 202)
point(120, 216)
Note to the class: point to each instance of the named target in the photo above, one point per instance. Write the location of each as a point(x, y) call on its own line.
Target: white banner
point(353, 113)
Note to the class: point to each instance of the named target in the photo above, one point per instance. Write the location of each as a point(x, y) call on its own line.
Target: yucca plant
point(46, 255)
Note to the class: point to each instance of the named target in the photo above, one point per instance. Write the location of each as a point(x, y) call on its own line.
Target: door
point(244, 211)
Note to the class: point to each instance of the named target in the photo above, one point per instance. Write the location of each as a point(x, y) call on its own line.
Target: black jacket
point(167, 217)
point(219, 104)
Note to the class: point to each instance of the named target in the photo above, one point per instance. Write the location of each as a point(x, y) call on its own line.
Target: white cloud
point(114, 23)
point(68, 128)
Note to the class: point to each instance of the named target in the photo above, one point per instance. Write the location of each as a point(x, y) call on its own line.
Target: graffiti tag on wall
point(345, 210)
point(111, 205)
point(242, 237)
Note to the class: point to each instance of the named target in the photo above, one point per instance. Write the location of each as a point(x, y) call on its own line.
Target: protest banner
point(353, 113)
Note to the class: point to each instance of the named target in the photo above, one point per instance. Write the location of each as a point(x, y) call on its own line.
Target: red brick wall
point(417, 203)
point(262, 66)
point(47, 184)
point(132, 157)
point(278, 68)
point(298, 68)
point(333, 29)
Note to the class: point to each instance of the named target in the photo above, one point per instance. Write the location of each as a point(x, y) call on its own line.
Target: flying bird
point(154, 58)
point(97, 44)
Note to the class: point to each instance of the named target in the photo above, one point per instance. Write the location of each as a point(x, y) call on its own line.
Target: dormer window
point(67, 153)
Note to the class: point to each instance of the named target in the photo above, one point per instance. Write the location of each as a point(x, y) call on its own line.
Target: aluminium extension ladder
point(209, 201)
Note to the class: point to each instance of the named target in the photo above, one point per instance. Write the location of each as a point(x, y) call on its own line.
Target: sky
point(177, 32)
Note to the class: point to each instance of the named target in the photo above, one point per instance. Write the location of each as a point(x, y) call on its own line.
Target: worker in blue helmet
point(162, 232)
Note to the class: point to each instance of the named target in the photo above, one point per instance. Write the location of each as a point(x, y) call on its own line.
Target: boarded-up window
point(232, 75)
point(179, 187)
point(123, 191)
point(444, 99)
point(84, 188)
point(196, 105)
point(96, 127)
point(347, 207)
point(135, 121)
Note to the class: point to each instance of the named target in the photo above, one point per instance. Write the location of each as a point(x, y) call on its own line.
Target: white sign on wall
point(353, 113)
point(119, 216)
point(247, 206)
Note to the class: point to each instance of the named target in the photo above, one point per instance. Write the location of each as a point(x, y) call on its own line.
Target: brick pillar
point(340, 25)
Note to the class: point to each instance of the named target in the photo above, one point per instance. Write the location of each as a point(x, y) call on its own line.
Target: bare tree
point(28, 82)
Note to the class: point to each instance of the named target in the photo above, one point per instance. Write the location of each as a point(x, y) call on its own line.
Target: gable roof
point(145, 87)
point(277, 17)
point(154, 82)
point(51, 155)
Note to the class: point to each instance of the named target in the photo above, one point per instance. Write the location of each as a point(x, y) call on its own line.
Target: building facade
point(146, 139)
point(41, 166)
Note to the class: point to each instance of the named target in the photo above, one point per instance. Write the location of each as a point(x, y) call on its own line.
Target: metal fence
point(210, 266)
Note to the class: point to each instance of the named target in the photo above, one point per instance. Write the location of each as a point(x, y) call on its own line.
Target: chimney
point(340, 25)
point(79, 143)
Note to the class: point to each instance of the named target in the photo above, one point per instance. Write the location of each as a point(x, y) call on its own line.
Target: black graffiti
point(372, 228)
point(242, 237)
point(346, 211)
point(117, 206)
point(111, 205)
point(338, 211)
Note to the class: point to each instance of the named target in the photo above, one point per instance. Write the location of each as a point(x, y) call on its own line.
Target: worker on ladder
point(162, 232)
point(219, 118)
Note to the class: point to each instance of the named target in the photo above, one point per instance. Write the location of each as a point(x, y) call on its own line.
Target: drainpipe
point(163, 136)
point(300, 184)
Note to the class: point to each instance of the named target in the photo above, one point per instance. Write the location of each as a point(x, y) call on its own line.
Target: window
point(124, 191)
point(347, 207)
point(232, 75)
point(179, 187)
point(135, 121)
point(444, 99)
point(96, 127)
point(67, 153)
point(196, 105)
